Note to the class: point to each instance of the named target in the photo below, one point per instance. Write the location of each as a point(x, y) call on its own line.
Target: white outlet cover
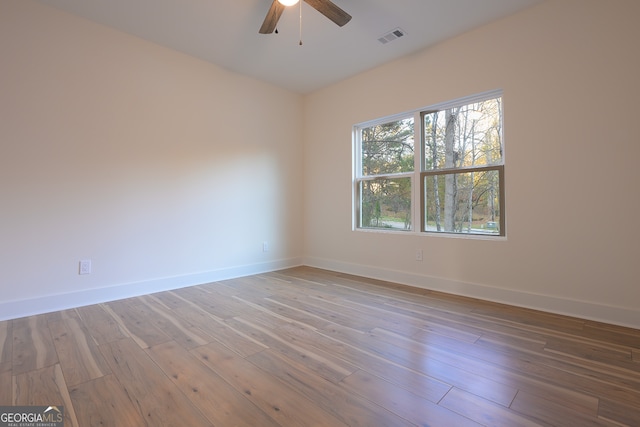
point(85, 266)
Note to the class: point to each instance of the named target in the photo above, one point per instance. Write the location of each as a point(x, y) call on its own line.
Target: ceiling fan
point(325, 7)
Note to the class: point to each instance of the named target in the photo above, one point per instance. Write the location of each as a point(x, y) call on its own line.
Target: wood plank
point(219, 402)
point(585, 376)
point(44, 387)
point(480, 362)
point(264, 286)
point(590, 351)
point(375, 290)
point(322, 362)
point(170, 299)
point(493, 340)
point(349, 408)
point(467, 322)
point(532, 319)
point(175, 327)
point(612, 334)
point(79, 356)
point(6, 389)
point(257, 314)
point(402, 402)
point(70, 313)
point(6, 347)
point(619, 413)
point(157, 400)
point(498, 360)
point(294, 315)
point(553, 412)
point(304, 346)
point(250, 286)
point(212, 303)
point(216, 327)
point(428, 387)
point(32, 345)
point(484, 411)
point(135, 322)
point(330, 313)
point(103, 402)
point(280, 402)
point(102, 325)
point(371, 318)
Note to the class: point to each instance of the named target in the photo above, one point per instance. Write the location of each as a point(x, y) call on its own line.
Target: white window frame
point(417, 175)
point(357, 170)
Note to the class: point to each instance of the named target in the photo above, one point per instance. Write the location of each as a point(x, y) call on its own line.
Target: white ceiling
point(225, 32)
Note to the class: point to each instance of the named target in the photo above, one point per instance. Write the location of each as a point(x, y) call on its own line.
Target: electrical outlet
point(265, 246)
point(419, 255)
point(85, 266)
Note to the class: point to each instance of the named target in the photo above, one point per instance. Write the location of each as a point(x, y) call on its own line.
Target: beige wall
point(569, 70)
point(162, 169)
point(167, 171)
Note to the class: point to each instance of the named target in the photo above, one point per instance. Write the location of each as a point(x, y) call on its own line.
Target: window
point(452, 179)
point(386, 174)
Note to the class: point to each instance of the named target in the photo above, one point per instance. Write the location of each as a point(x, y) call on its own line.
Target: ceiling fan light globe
point(288, 2)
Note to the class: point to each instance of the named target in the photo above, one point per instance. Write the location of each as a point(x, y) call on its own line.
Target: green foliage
point(387, 149)
point(463, 137)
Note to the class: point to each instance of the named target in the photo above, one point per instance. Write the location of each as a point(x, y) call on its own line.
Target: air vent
point(391, 36)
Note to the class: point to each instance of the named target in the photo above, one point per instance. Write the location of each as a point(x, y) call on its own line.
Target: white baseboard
point(50, 303)
point(582, 309)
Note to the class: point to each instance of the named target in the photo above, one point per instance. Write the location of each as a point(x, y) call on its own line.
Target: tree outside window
point(458, 165)
point(463, 168)
point(386, 170)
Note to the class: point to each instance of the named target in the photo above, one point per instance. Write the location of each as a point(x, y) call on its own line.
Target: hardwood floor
point(308, 347)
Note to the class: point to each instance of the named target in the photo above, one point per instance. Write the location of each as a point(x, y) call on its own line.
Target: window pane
point(466, 136)
point(387, 148)
point(463, 202)
point(385, 203)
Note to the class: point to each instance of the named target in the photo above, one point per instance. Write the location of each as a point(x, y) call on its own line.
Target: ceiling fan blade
point(330, 10)
point(272, 18)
